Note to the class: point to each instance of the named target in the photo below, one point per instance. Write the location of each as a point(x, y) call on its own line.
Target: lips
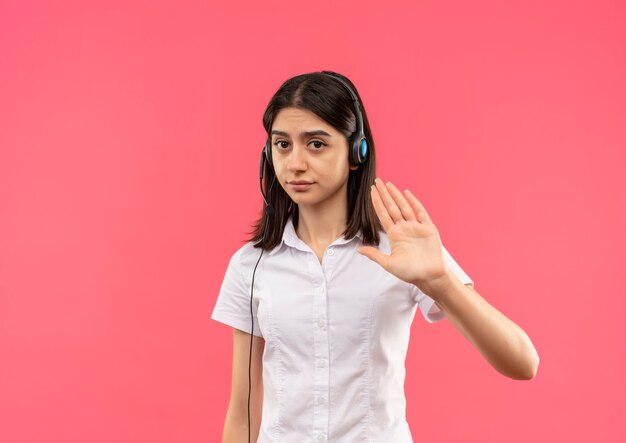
point(300, 185)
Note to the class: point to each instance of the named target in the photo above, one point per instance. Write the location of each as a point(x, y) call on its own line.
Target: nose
point(296, 160)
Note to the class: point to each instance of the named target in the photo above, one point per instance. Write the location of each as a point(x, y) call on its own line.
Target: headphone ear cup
point(358, 150)
point(268, 153)
point(363, 149)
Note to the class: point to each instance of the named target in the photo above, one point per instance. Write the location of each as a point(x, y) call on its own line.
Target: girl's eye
point(316, 143)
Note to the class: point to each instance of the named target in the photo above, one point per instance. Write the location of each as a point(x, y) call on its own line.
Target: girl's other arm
point(236, 423)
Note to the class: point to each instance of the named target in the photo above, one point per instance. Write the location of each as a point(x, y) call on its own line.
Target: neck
point(322, 224)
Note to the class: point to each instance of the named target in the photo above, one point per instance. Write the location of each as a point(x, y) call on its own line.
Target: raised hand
point(416, 255)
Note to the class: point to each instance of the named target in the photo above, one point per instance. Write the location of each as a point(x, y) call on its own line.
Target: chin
point(299, 197)
point(303, 197)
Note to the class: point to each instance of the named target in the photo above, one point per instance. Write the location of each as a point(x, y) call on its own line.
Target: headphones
point(358, 154)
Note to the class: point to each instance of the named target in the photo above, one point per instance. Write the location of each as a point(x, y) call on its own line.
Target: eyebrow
point(302, 134)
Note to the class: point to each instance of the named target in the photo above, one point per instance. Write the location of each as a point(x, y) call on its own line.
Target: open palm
point(416, 254)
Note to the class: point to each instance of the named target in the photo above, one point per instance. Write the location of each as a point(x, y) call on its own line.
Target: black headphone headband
point(358, 143)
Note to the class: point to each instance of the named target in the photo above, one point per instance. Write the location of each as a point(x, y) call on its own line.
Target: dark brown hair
point(329, 100)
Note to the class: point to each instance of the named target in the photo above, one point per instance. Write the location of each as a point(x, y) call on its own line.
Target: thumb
point(373, 254)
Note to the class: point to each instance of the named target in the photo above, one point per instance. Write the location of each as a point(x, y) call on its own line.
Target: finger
point(381, 210)
point(375, 255)
point(405, 208)
point(420, 211)
point(388, 201)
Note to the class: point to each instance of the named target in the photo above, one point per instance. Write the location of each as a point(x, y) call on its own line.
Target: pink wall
point(129, 145)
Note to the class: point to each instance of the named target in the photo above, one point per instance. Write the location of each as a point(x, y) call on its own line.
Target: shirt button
point(320, 323)
point(319, 291)
point(321, 438)
point(321, 363)
point(320, 400)
point(330, 251)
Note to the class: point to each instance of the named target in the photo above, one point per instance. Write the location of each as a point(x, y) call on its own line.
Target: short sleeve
point(233, 301)
point(430, 310)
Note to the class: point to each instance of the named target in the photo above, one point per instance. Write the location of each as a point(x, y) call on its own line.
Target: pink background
point(130, 135)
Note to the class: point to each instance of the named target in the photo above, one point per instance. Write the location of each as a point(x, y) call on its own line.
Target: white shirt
point(336, 337)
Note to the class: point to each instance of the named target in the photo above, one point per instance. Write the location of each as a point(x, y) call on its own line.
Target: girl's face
point(305, 148)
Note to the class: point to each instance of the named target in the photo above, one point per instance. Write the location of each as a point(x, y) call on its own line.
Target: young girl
point(321, 323)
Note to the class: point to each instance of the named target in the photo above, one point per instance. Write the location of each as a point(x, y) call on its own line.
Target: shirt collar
point(291, 239)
